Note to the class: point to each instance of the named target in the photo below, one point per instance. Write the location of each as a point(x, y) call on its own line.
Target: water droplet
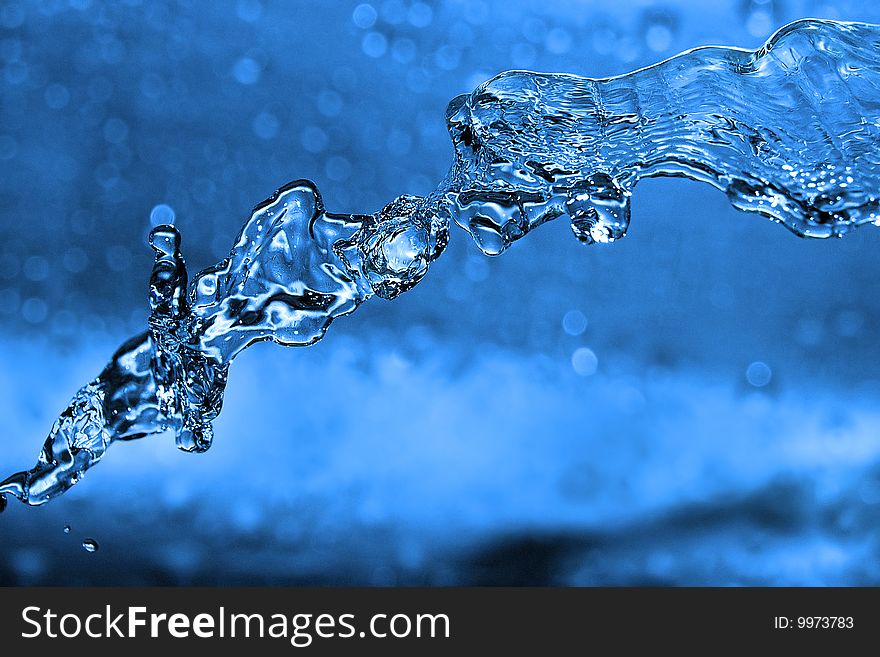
point(758, 374)
point(90, 545)
point(66, 529)
point(115, 131)
point(247, 71)
point(161, 215)
point(2, 503)
point(57, 96)
point(364, 16)
point(759, 23)
point(420, 15)
point(850, 323)
point(658, 37)
point(574, 322)
point(249, 10)
point(34, 310)
point(266, 125)
point(36, 268)
point(809, 332)
point(558, 41)
point(584, 361)
point(374, 44)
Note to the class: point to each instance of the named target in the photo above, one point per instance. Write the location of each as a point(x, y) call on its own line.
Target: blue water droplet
point(758, 374)
point(364, 16)
point(161, 215)
point(247, 71)
point(574, 323)
point(374, 44)
point(266, 125)
point(584, 361)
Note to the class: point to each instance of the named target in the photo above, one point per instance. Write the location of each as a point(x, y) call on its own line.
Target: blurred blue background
point(697, 404)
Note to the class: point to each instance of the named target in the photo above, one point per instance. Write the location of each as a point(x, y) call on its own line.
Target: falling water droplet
point(90, 545)
point(2, 503)
point(66, 529)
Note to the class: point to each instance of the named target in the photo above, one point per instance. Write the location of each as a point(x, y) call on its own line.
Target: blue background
point(558, 415)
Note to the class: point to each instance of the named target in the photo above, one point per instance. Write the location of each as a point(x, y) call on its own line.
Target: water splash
point(790, 131)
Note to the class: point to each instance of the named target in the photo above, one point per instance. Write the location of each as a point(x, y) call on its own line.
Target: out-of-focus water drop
point(364, 16)
point(162, 214)
point(759, 374)
point(90, 545)
point(758, 15)
point(584, 361)
point(574, 323)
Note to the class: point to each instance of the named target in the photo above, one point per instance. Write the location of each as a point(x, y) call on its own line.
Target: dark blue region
point(696, 404)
